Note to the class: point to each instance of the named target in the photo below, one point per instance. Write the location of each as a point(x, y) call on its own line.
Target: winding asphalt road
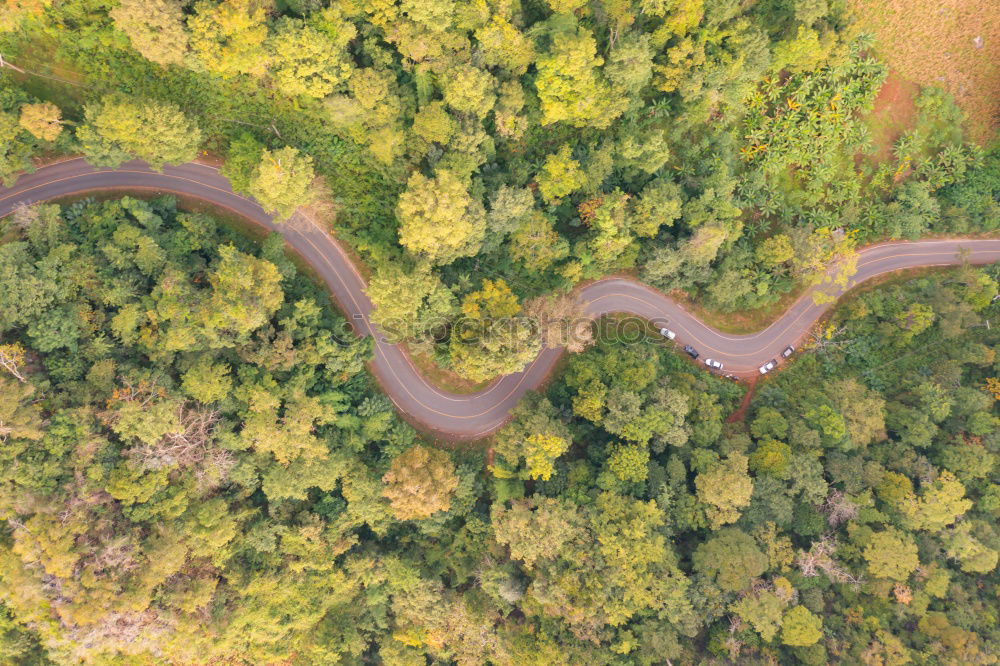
point(474, 415)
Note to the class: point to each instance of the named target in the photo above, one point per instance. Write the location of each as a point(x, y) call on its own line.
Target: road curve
point(474, 415)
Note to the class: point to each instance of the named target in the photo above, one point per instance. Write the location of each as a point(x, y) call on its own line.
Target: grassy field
point(954, 44)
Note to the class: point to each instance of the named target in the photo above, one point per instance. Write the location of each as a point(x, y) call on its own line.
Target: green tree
point(15, 152)
point(25, 291)
point(116, 130)
point(283, 181)
point(769, 421)
point(242, 159)
point(509, 208)
point(725, 488)
point(732, 558)
point(420, 482)
point(630, 65)
point(829, 423)
point(438, 218)
point(207, 382)
point(493, 339)
point(155, 28)
point(534, 439)
point(642, 153)
point(409, 303)
point(629, 462)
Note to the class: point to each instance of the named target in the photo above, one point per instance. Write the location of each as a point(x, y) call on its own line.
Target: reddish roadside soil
point(741, 411)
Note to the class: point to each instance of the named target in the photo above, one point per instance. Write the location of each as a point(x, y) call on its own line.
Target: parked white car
point(712, 363)
point(667, 333)
point(768, 367)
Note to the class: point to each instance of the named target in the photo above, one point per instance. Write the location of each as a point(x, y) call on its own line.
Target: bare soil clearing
point(894, 112)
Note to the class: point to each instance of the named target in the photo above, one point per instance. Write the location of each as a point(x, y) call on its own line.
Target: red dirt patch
point(741, 411)
point(894, 112)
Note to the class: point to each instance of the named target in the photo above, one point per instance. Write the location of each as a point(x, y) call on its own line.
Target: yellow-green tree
point(972, 554)
point(20, 416)
point(560, 175)
point(763, 610)
point(408, 303)
point(283, 181)
point(891, 554)
point(629, 462)
point(529, 445)
point(505, 46)
point(419, 483)
point(775, 251)
point(536, 243)
point(246, 291)
point(42, 120)
point(155, 28)
point(305, 61)
point(800, 627)
point(433, 123)
point(438, 218)
point(731, 558)
point(468, 89)
point(228, 37)
point(116, 130)
point(939, 504)
point(207, 382)
point(569, 85)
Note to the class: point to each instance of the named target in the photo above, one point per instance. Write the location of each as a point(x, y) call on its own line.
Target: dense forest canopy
point(198, 469)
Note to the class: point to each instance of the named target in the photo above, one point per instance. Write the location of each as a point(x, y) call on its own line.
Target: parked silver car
point(667, 333)
point(712, 363)
point(768, 367)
